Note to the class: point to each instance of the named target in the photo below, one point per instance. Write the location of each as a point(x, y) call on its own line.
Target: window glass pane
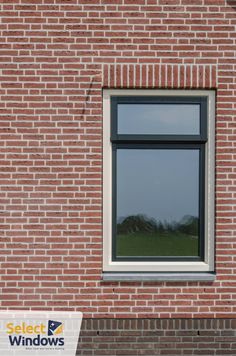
point(157, 202)
point(165, 119)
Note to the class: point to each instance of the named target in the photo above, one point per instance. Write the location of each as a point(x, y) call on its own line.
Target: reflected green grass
point(147, 244)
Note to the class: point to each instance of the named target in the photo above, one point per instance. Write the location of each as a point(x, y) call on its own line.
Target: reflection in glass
point(157, 202)
point(167, 119)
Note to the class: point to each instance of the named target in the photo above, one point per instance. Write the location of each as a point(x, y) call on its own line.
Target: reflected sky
point(161, 183)
point(172, 119)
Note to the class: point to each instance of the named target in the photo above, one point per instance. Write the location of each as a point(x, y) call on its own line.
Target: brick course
point(55, 60)
point(206, 337)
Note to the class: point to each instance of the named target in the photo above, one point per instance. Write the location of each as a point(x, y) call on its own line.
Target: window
point(158, 181)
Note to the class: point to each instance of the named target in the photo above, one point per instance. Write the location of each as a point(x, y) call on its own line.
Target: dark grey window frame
point(147, 141)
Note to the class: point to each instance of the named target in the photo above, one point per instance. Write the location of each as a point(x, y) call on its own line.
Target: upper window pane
point(159, 119)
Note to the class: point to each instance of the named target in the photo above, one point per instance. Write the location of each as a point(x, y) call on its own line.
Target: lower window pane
point(157, 203)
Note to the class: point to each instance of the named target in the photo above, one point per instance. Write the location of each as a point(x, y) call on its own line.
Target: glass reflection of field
point(157, 244)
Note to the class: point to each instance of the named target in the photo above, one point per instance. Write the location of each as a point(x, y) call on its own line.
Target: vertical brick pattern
point(157, 337)
point(55, 59)
point(149, 76)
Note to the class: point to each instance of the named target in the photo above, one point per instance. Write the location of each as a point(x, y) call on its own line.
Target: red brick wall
point(55, 60)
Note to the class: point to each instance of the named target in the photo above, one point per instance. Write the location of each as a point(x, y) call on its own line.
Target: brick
point(56, 59)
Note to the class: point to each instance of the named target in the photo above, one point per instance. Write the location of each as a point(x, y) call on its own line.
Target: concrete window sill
point(175, 277)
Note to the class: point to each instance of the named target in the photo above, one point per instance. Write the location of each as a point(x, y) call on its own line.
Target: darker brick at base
point(157, 337)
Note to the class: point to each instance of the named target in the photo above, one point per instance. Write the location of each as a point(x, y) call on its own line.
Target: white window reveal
point(158, 202)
